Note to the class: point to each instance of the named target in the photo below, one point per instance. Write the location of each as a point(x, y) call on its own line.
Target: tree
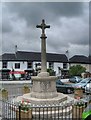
point(76, 70)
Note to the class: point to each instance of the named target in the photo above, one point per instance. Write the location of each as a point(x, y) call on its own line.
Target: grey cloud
point(68, 23)
point(6, 27)
point(6, 21)
point(34, 12)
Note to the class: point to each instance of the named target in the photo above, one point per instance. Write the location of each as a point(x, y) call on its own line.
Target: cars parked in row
point(82, 84)
point(63, 87)
point(75, 79)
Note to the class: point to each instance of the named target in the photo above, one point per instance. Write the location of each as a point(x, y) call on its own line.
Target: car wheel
point(68, 90)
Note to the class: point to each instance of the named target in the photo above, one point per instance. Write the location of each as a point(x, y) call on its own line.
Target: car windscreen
point(85, 80)
point(59, 82)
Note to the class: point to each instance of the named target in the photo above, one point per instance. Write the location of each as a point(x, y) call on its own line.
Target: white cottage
point(31, 61)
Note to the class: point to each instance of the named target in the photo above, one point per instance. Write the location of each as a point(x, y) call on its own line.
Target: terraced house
point(31, 61)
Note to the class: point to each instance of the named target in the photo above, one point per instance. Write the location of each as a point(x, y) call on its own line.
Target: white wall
point(34, 64)
point(40, 66)
point(23, 65)
point(56, 65)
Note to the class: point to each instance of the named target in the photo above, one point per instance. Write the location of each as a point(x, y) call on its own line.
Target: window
point(4, 65)
point(64, 65)
point(17, 65)
point(29, 65)
point(51, 65)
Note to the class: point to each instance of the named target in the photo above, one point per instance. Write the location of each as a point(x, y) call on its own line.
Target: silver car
point(88, 88)
point(83, 83)
point(75, 79)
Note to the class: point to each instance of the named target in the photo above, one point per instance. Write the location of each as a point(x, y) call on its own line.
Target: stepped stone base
point(49, 113)
point(35, 101)
point(43, 91)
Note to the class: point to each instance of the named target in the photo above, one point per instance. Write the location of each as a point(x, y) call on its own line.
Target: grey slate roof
point(33, 56)
point(7, 56)
point(28, 56)
point(79, 59)
point(56, 57)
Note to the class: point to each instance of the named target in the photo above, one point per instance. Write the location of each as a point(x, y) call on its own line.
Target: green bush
point(76, 70)
point(51, 72)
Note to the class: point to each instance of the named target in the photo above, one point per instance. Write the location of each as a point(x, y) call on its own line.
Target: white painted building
point(31, 61)
point(28, 61)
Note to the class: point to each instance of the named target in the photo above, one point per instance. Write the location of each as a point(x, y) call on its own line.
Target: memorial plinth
point(44, 91)
point(44, 87)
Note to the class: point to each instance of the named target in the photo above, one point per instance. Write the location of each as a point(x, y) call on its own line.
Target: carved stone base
point(44, 91)
point(35, 101)
point(44, 86)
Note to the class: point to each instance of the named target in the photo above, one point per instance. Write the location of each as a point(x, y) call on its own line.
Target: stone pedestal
point(44, 91)
point(44, 86)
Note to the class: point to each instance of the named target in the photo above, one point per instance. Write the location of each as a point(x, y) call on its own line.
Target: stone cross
point(43, 37)
point(43, 26)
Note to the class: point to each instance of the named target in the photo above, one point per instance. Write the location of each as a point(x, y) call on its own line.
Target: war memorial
point(43, 91)
point(42, 101)
point(44, 86)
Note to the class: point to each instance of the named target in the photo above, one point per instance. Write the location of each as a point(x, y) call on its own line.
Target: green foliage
point(51, 72)
point(76, 70)
point(25, 105)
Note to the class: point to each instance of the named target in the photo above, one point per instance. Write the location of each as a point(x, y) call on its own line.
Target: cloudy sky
point(69, 26)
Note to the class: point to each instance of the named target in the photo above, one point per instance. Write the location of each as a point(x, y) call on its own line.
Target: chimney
point(67, 54)
point(15, 49)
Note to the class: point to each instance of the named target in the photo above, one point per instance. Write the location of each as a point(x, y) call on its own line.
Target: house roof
point(57, 57)
point(28, 56)
point(33, 56)
point(7, 56)
point(79, 59)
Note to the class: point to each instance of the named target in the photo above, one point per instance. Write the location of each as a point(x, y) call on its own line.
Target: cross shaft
point(43, 37)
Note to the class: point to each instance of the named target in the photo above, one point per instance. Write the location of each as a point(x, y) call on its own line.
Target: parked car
point(15, 76)
point(88, 88)
point(75, 79)
point(63, 87)
point(83, 83)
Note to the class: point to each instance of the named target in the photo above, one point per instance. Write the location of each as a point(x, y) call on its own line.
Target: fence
point(47, 112)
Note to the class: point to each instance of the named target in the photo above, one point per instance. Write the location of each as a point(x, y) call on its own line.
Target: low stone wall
point(14, 88)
